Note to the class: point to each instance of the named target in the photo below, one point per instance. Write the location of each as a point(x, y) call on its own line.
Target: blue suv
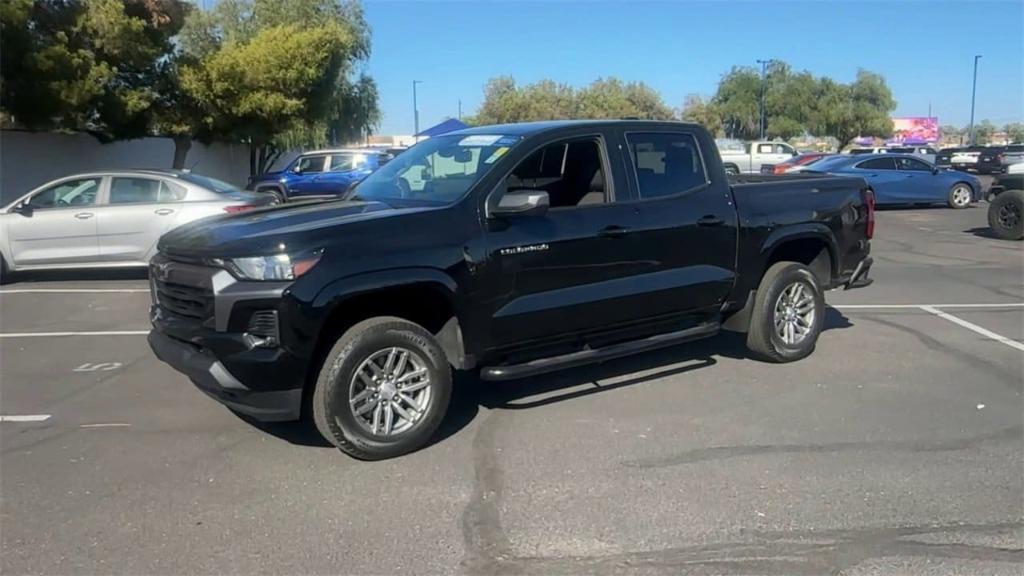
point(321, 173)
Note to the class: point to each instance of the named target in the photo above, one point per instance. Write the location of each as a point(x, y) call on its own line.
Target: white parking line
point(919, 306)
point(71, 290)
point(974, 327)
point(54, 334)
point(25, 418)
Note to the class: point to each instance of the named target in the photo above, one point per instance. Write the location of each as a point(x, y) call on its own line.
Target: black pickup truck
point(509, 250)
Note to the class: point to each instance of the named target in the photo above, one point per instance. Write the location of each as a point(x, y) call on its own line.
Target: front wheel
point(960, 196)
point(383, 389)
point(1006, 215)
point(5, 273)
point(788, 315)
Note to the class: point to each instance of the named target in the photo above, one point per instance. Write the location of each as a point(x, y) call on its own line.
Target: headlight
point(279, 267)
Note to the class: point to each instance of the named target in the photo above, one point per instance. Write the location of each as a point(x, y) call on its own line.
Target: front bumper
point(200, 316)
point(213, 378)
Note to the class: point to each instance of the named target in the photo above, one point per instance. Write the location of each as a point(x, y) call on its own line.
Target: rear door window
point(912, 164)
point(666, 163)
point(878, 164)
point(126, 190)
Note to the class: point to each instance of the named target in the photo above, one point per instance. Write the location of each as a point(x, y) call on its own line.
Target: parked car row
point(982, 159)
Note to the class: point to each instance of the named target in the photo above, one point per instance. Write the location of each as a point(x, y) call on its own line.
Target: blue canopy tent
point(449, 125)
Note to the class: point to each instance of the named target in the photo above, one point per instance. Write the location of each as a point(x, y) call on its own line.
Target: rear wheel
point(788, 315)
point(1006, 215)
point(960, 195)
point(383, 389)
point(5, 273)
point(732, 169)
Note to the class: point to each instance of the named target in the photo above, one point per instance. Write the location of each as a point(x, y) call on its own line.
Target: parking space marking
point(921, 306)
point(56, 334)
point(974, 327)
point(72, 290)
point(25, 418)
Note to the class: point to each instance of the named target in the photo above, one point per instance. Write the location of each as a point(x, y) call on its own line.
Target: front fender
point(347, 287)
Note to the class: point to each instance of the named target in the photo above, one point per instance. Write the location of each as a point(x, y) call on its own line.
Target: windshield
point(437, 171)
point(212, 184)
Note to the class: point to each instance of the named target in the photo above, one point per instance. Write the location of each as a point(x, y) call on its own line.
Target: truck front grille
point(182, 289)
point(188, 301)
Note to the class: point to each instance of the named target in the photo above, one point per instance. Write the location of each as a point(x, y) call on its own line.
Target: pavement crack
point(727, 452)
point(487, 546)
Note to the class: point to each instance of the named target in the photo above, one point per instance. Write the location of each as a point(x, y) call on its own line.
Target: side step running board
point(583, 357)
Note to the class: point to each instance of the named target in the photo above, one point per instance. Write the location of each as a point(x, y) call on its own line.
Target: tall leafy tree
point(505, 101)
point(85, 64)
point(1015, 132)
point(738, 102)
point(696, 110)
point(278, 74)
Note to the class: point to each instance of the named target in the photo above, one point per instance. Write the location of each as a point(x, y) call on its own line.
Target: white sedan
point(109, 219)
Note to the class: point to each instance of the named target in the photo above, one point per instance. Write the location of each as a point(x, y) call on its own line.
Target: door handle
point(84, 215)
point(613, 232)
point(163, 211)
point(710, 220)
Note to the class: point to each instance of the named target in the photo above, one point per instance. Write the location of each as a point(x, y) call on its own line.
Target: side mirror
point(522, 203)
point(25, 209)
point(935, 169)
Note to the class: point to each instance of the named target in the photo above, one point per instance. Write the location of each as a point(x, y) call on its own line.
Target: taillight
point(869, 202)
point(238, 208)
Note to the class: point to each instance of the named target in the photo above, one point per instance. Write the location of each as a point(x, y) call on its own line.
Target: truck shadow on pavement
point(470, 393)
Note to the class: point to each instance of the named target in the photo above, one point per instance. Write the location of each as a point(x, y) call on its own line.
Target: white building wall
point(28, 159)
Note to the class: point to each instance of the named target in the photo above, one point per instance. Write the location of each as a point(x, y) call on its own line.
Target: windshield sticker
point(507, 140)
point(479, 140)
point(497, 154)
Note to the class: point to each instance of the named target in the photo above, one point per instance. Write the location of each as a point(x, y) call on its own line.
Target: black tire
point(275, 192)
point(762, 337)
point(732, 170)
point(955, 197)
point(6, 276)
point(1006, 215)
point(332, 412)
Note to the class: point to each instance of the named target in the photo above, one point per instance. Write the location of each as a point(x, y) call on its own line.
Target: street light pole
point(415, 111)
point(974, 91)
point(764, 67)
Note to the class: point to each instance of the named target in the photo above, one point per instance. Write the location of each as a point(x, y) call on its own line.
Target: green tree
point(950, 132)
point(85, 65)
point(738, 103)
point(1015, 132)
point(696, 110)
point(275, 74)
point(505, 101)
point(983, 132)
point(848, 111)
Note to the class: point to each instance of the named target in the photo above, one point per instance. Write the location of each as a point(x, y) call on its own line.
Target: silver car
point(109, 219)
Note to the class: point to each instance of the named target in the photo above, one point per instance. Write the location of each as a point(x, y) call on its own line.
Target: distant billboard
point(915, 130)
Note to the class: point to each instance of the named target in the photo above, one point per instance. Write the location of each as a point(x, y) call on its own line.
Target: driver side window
point(81, 192)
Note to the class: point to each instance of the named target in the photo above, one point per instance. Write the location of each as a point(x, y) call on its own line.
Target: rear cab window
point(665, 163)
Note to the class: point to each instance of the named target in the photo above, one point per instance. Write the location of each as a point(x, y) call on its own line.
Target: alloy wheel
point(794, 313)
point(390, 391)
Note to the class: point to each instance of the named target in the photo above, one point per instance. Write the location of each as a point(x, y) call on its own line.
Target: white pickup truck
point(748, 157)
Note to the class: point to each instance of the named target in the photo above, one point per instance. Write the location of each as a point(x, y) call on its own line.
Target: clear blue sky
point(924, 49)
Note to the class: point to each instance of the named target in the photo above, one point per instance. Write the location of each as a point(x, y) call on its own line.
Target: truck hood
point(270, 231)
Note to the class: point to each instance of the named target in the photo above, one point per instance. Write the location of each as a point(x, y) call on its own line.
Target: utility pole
point(415, 111)
point(764, 69)
point(460, 109)
point(974, 91)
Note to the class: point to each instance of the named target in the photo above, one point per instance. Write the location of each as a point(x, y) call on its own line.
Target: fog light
point(262, 331)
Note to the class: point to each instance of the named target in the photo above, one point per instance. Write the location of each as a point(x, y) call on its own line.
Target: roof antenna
point(194, 164)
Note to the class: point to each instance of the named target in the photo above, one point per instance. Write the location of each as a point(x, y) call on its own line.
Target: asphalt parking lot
point(898, 447)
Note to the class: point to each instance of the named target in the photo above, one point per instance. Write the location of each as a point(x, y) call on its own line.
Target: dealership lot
point(896, 447)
